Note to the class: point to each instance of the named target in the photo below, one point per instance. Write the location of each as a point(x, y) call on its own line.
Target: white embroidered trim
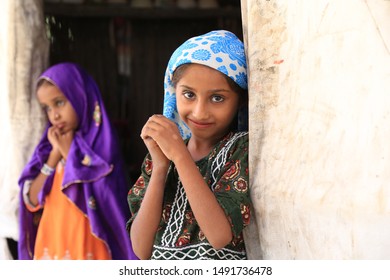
point(67, 256)
point(220, 158)
point(175, 222)
point(201, 251)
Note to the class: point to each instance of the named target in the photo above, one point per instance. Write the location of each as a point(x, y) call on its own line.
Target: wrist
point(182, 157)
point(53, 159)
point(160, 169)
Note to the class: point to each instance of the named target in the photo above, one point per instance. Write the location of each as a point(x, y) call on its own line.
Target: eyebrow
point(57, 98)
point(54, 99)
point(186, 87)
point(212, 90)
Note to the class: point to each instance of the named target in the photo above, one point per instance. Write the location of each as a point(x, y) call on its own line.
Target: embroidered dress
point(179, 236)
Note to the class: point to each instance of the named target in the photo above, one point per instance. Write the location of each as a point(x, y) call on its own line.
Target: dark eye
point(188, 94)
point(217, 98)
point(46, 109)
point(60, 103)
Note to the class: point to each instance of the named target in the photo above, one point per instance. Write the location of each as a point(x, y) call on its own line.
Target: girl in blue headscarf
point(192, 198)
point(72, 188)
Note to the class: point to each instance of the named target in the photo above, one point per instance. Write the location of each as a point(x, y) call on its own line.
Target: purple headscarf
point(99, 187)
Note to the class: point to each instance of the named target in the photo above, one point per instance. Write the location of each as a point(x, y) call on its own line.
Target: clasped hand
point(60, 141)
point(162, 138)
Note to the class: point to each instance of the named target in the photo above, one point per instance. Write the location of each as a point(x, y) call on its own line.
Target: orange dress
point(64, 231)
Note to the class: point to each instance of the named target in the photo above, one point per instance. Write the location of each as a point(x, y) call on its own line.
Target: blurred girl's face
point(206, 102)
point(57, 107)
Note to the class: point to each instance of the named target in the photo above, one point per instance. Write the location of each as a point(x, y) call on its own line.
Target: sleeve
point(29, 221)
point(26, 190)
point(138, 190)
point(25, 185)
point(231, 189)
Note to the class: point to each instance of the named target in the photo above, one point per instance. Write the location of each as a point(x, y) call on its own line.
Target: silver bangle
point(47, 170)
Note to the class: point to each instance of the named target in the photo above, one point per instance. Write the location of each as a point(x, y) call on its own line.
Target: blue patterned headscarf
point(221, 50)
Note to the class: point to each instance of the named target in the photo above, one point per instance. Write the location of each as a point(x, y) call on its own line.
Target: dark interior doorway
point(126, 50)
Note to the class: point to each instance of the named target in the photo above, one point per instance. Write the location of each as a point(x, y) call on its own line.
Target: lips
point(60, 126)
point(200, 124)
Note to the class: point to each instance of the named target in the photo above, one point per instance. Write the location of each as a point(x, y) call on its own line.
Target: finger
point(51, 130)
point(144, 134)
point(160, 119)
point(68, 134)
point(160, 123)
point(152, 124)
point(52, 134)
point(56, 132)
point(154, 131)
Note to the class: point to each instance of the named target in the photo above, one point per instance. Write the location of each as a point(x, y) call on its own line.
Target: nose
point(200, 110)
point(55, 115)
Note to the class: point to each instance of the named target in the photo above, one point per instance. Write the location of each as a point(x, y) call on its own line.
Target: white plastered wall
point(23, 56)
point(319, 128)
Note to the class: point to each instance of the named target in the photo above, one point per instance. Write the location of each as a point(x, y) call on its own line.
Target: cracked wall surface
point(319, 111)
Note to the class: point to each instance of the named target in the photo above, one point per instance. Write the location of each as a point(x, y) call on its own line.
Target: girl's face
point(206, 102)
point(57, 107)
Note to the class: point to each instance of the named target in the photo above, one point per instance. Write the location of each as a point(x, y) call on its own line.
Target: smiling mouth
point(200, 124)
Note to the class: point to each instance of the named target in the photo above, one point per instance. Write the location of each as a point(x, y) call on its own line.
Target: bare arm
point(144, 227)
point(37, 183)
point(207, 211)
point(60, 149)
point(145, 224)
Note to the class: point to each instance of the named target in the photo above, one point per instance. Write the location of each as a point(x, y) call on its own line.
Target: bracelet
point(47, 170)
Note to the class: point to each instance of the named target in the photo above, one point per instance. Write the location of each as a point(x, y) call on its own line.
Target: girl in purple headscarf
point(73, 190)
